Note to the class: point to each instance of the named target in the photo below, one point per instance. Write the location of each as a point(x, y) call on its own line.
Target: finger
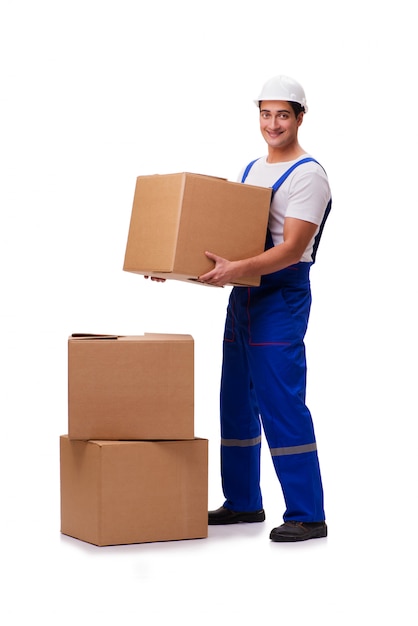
point(211, 256)
point(205, 278)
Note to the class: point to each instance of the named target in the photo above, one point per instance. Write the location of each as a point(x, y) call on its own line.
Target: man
point(264, 369)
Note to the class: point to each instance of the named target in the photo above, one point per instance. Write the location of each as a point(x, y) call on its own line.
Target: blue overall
point(263, 383)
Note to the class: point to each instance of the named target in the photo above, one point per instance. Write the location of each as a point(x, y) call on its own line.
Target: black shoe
point(299, 531)
point(226, 516)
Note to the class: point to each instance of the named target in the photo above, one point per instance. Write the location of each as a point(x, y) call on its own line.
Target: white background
point(94, 93)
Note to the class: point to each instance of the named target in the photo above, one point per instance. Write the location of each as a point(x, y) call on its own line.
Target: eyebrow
point(277, 111)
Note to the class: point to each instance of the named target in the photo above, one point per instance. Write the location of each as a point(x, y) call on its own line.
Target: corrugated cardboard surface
point(154, 222)
point(131, 387)
point(120, 492)
point(177, 217)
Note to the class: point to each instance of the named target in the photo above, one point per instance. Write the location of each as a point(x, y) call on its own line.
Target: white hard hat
point(283, 88)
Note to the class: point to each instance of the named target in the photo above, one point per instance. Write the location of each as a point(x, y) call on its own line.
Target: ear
point(299, 119)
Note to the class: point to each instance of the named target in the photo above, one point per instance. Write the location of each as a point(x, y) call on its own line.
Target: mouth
point(274, 134)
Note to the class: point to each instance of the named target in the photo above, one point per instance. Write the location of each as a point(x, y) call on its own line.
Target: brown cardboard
point(131, 387)
point(177, 217)
point(120, 492)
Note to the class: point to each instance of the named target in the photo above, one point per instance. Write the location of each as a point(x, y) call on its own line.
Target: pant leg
point(278, 375)
point(277, 322)
point(240, 422)
point(264, 372)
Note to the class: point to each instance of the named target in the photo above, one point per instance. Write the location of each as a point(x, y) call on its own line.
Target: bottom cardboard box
point(122, 492)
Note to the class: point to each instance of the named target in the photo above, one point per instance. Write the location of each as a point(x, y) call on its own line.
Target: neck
point(277, 155)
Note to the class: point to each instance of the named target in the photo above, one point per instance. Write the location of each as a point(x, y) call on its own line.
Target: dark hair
point(297, 108)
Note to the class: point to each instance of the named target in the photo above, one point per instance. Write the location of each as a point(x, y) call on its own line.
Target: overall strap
point(327, 210)
point(247, 169)
point(283, 177)
point(289, 171)
point(269, 240)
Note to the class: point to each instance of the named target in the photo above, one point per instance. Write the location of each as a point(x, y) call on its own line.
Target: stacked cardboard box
point(132, 470)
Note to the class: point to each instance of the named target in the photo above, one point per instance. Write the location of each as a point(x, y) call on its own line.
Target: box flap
point(145, 337)
point(92, 336)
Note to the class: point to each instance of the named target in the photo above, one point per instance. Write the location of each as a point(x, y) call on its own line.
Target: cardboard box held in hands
point(176, 218)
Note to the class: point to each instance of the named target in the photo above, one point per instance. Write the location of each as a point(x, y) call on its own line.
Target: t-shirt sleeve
point(309, 195)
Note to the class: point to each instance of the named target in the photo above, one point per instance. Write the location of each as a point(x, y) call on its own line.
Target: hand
point(222, 273)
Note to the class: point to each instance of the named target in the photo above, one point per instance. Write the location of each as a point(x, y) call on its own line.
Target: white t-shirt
point(303, 195)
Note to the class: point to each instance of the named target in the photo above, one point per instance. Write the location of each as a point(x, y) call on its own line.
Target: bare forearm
point(267, 262)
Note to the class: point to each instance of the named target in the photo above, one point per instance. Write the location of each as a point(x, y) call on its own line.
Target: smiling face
point(279, 127)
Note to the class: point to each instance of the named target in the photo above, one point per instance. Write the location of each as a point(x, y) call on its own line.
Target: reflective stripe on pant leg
point(240, 467)
point(300, 477)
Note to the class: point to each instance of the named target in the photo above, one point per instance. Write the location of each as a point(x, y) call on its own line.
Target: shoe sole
point(292, 539)
point(251, 518)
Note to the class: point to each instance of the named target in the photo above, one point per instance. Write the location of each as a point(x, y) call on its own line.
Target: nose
point(274, 122)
